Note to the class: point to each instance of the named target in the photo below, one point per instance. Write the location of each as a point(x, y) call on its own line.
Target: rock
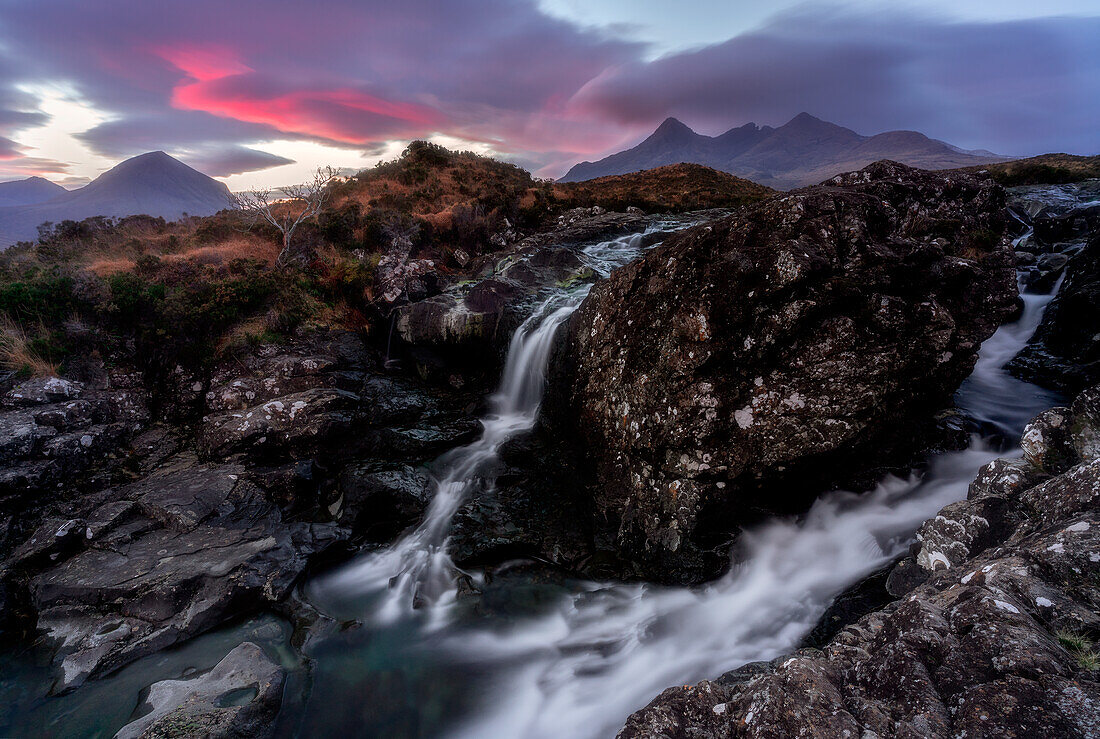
point(869, 594)
point(1085, 429)
point(997, 643)
point(480, 317)
point(53, 429)
point(1005, 478)
point(1064, 352)
point(194, 547)
point(1047, 441)
point(299, 423)
point(781, 349)
point(382, 500)
point(1024, 259)
point(320, 359)
point(42, 390)
point(959, 532)
point(240, 697)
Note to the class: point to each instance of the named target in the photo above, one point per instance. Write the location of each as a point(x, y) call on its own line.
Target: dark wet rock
point(1025, 259)
point(534, 509)
point(195, 546)
point(1064, 353)
point(996, 641)
point(869, 594)
point(1047, 441)
point(904, 577)
point(786, 348)
point(299, 423)
point(239, 697)
point(481, 316)
point(380, 500)
point(52, 429)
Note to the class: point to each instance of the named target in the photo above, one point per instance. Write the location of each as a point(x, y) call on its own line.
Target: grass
point(1081, 648)
point(17, 355)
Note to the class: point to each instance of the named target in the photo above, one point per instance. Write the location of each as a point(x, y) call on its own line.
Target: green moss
point(1081, 648)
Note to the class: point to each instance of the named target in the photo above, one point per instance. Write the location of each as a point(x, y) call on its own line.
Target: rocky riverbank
point(734, 371)
point(992, 632)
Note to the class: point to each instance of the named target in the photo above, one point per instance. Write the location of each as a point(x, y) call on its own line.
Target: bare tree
point(286, 208)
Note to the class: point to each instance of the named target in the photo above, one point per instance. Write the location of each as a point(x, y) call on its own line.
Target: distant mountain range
point(152, 184)
point(804, 151)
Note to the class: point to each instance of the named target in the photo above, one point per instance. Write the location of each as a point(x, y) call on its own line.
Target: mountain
point(29, 191)
point(804, 151)
point(152, 184)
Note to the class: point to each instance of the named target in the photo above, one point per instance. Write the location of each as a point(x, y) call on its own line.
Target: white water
point(417, 572)
point(601, 654)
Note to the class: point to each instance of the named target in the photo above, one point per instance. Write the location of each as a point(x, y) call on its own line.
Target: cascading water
point(603, 651)
point(417, 571)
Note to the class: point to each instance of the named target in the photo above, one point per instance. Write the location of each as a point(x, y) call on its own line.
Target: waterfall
point(417, 571)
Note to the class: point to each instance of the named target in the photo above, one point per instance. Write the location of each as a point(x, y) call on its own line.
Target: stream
point(407, 654)
point(580, 661)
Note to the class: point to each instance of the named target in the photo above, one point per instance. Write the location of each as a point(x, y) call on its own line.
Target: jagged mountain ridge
point(153, 184)
point(804, 151)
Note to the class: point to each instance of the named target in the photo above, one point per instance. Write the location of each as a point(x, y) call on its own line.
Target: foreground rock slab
point(748, 364)
point(238, 698)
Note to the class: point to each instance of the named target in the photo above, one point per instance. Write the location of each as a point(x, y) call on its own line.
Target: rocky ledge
point(993, 634)
point(1064, 353)
point(805, 341)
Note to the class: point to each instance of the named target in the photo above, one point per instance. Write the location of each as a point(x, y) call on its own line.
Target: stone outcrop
point(285, 398)
point(240, 697)
point(798, 343)
point(998, 639)
point(159, 561)
point(480, 315)
point(54, 429)
point(1064, 353)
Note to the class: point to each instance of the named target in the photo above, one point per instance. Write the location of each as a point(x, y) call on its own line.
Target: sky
point(260, 92)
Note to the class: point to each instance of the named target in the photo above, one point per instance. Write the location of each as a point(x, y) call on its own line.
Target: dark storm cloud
point(1019, 87)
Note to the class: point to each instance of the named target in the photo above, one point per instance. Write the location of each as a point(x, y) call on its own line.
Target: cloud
point(346, 72)
point(1018, 87)
point(223, 161)
point(215, 79)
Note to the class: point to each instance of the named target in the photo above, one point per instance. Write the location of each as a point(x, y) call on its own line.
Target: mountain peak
point(672, 128)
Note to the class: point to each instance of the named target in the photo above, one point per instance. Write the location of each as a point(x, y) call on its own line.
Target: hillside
point(29, 191)
point(1045, 169)
point(671, 188)
point(152, 184)
point(804, 151)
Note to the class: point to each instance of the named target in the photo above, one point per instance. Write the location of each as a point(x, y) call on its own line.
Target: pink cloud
point(216, 82)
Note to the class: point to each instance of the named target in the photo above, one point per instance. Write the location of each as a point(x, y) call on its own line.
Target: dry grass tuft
point(107, 266)
point(17, 355)
point(237, 248)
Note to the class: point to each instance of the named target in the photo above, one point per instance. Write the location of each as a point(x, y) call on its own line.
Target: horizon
point(549, 84)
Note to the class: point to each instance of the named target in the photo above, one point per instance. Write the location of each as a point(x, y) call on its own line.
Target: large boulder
point(1064, 352)
point(794, 345)
point(998, 641)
